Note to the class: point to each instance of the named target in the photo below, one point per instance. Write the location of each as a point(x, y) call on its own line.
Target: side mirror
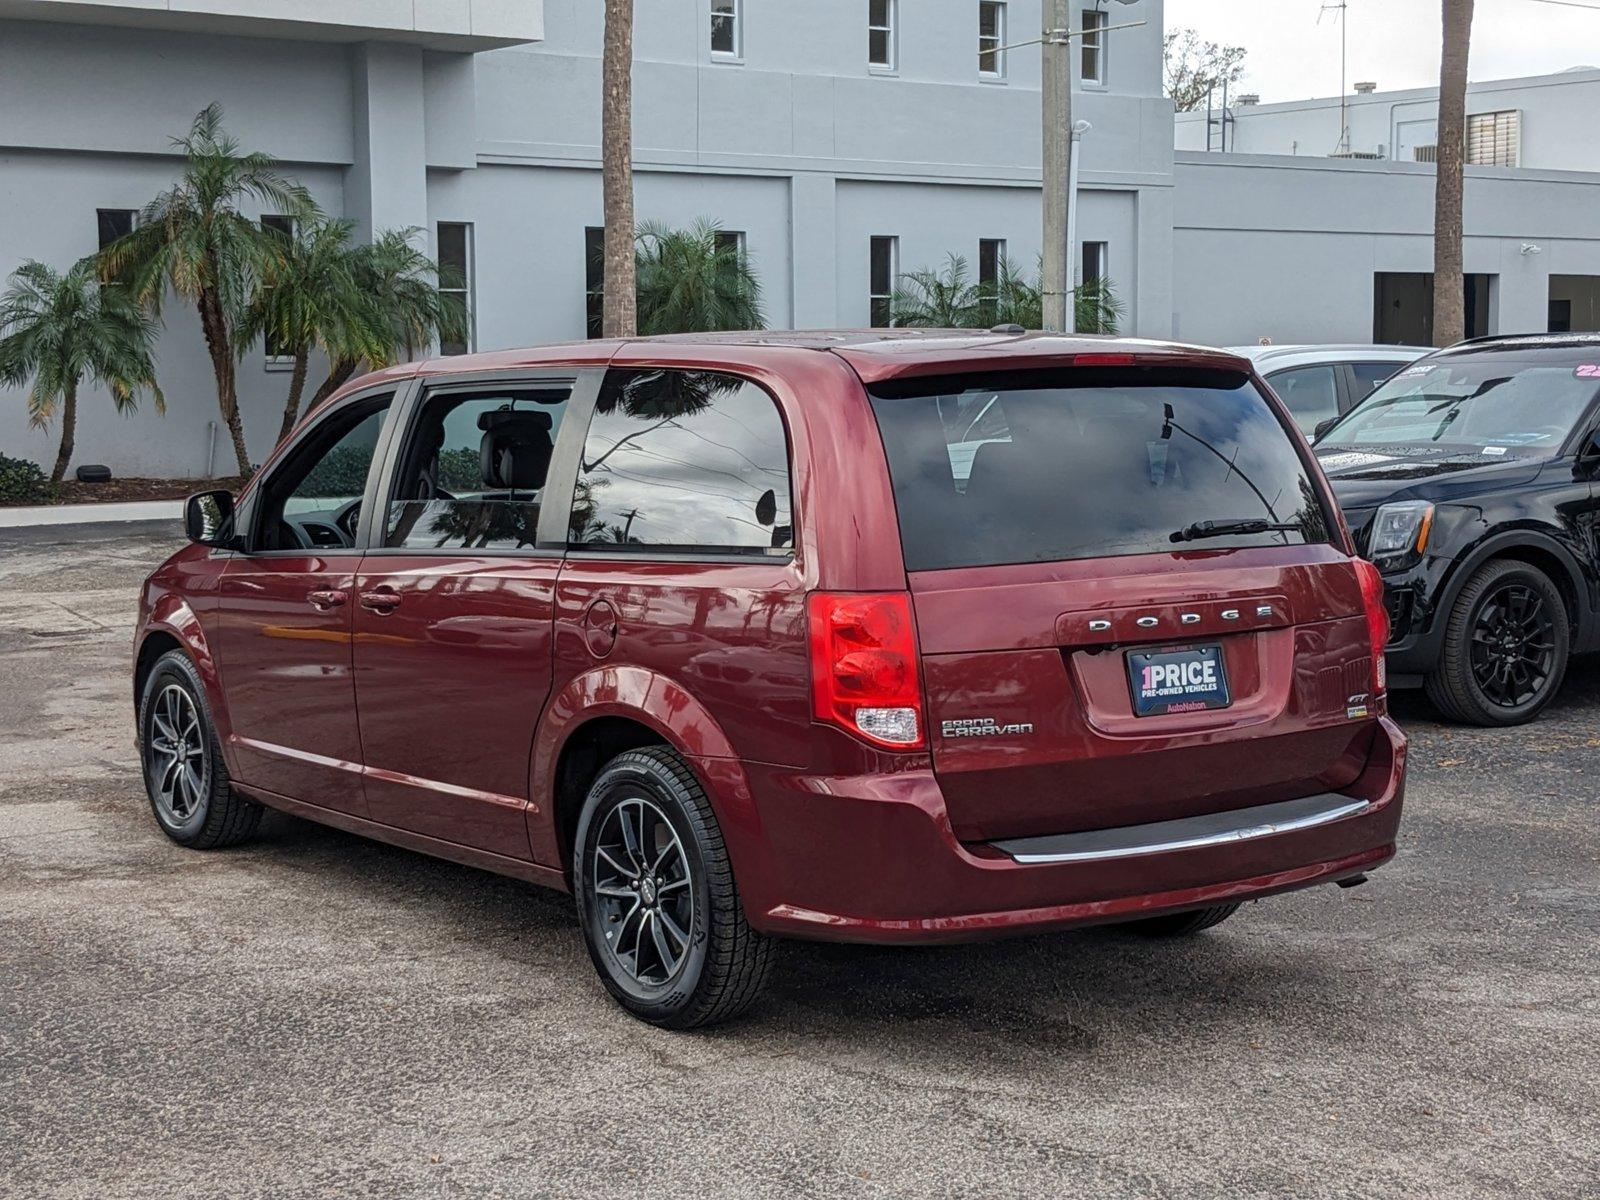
point(208, 519)
point(1322, 428)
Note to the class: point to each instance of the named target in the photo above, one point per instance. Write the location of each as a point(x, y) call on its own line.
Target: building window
point(115, 223)
point(885, 261)
point(1494, 139)
point(279, 355)
point(455, 278)
point(1095, 269)
point(594, 279)
point(880, 34)
point(991, 261)
point(1094, 46)
point(730, 239)
point(991, 38)
point(726, 36)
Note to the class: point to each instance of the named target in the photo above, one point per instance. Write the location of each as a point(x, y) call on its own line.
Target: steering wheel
point(346, 519)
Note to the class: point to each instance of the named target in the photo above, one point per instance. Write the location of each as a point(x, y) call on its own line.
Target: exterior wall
point(1287, 248)
point(799, 144)
point(1557, 122)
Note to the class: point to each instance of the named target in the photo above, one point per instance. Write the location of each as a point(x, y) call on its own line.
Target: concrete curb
point(39, 515)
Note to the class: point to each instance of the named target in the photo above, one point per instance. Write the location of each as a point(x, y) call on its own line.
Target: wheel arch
point(598, 715)
point(1539, 550)
point(173, 625)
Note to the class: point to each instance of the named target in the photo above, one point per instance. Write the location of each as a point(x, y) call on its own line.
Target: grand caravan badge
point(965, 727)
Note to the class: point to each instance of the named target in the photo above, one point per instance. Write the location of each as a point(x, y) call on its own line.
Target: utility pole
point(1056, 281)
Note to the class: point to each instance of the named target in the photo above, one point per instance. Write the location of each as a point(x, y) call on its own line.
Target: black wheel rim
point(175, 756)
point(1513, 646)
point(642, 891)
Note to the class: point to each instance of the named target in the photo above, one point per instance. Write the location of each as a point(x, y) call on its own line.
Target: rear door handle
point(382, 601)
point(327, 598)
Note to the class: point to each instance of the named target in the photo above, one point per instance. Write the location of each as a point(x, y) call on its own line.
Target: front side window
point(725, 32)
point(473, 473)
point(991, 38)
point(688, 462)
point(884, 253)
point(1310, 393)
point(1094, 46)
point(312, 500)
point(1044, 466)
point(880, 34)
point(1485, 405)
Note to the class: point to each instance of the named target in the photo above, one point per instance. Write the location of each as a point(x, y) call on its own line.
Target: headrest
point(516, 448)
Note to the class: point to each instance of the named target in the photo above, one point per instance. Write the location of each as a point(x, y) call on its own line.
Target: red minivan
point(881, 637)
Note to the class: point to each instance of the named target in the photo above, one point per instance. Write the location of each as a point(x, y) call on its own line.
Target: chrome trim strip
point(1246, 833)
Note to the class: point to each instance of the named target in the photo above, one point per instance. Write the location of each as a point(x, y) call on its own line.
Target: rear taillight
point(864, 673)
point(1377, 621)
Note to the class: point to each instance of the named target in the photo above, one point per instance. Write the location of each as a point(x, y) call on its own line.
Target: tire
point(1465, 684)
point(693, 959)
point(198, 809)
point(1183, 924)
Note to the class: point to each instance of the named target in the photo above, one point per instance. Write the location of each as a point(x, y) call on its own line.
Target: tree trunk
point(620, 310)
point(215, 326)
point(69, 432)
point(338, 376)
point(1449, 279)
point(297, 389)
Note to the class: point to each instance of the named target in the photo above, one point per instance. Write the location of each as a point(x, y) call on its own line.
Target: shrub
point(341, 474)
point(22, 482)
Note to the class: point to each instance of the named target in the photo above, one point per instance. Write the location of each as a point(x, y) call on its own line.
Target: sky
point(1394, 42)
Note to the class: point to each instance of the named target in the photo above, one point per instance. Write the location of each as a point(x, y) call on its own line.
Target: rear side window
point(1047, 466)
point(687, 462)
point(1369, 375)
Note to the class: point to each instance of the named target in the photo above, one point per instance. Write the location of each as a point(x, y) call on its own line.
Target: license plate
point(1177, 681)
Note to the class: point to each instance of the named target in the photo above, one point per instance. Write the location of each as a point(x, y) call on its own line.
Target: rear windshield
point(1046, 466)
point(1482, 404)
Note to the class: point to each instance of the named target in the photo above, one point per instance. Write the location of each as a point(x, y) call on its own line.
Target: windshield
point(1490, 404)
point(1047, 466)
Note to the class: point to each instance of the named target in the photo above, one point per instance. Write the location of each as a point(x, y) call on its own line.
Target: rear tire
point(1509, 624)
point(185, 777)
point(657, 899)
point(1183, 924)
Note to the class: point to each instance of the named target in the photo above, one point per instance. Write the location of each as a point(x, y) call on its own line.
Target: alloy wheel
point(1513, 645)
point(642, 891)
point(176, 755)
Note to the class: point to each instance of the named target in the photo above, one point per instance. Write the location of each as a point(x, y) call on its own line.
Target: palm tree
point(314, 301)
point(1449, 279)
point(194, 240)
point(929, 299)
point(694, 281)
point(1096, 308)
point(59, 330)
point(405, 310)
point(616, 163)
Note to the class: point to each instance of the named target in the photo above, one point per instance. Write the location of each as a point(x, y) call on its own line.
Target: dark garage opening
point(1574, 304)
point(1402, 307)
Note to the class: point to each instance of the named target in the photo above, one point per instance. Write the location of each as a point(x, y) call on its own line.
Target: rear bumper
point(872, 858)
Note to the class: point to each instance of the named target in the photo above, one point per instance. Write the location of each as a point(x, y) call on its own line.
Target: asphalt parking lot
point(317, 1015)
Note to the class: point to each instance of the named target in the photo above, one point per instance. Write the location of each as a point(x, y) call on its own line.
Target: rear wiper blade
point(1211, 529)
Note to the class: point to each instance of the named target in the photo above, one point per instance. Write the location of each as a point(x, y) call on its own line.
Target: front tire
point(656, 896)
point(185, 777)
point(1505, 648)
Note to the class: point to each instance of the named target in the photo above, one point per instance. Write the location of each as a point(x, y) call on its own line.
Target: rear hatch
point(1130, 596)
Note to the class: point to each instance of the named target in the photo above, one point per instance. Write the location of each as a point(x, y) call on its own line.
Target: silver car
point(1319, 383)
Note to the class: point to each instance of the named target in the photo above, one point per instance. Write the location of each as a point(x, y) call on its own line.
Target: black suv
point(1472, 480)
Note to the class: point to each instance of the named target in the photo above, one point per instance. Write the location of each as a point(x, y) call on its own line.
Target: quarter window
point(683, 462)
point(880, 34)
point(1094, 46)
point(474, 471)
point(991, 38)
point(726, 36)
point(885, 252)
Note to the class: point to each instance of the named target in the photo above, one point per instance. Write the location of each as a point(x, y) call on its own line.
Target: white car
point(1319, 383)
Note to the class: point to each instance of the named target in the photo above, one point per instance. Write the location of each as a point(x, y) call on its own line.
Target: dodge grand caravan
point(882, 637)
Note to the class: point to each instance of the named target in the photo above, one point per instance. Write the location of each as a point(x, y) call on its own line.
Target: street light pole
point(1056, 282)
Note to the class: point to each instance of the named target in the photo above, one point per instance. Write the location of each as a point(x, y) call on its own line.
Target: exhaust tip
point(1352, 881)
